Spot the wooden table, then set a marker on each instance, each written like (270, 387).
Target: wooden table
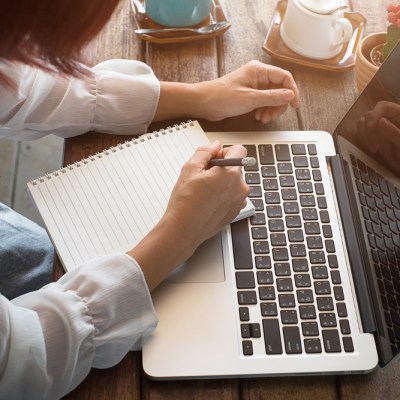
(325, 97)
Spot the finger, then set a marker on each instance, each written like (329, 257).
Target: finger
(234, 151)
(272, 98)
(202, 156)
(279, 77)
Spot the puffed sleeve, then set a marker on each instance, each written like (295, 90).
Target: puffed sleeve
(91, 317)
(117, 96)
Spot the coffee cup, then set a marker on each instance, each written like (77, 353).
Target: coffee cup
(315, 29)
(178, 13)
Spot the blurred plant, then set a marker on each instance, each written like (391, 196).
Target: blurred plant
(393, 30)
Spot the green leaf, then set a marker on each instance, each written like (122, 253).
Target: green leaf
(393, 36)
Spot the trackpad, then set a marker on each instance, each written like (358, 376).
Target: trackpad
(206, 264)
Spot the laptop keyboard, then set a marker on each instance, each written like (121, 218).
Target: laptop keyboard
(288, 283)
(380, 208)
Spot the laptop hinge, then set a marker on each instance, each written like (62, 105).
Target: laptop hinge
(346, 201)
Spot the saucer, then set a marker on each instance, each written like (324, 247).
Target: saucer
(276, 48)
(143, 21)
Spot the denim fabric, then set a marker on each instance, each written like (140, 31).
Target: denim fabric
(26, 254)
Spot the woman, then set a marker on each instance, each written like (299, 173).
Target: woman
(95, 314)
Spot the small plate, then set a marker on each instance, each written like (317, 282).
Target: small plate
(276, 48)
(143, 21)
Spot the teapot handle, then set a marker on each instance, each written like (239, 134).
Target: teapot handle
(347, 29)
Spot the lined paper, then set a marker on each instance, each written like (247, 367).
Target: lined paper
(108, 202)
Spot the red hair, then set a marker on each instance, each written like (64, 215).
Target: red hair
(50, 34)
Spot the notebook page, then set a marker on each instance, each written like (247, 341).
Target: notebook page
(108, 202)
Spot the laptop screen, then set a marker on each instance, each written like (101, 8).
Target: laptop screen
(373, 123)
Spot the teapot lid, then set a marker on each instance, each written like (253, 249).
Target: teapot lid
(322, 6)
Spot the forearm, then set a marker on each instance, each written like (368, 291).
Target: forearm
(162, 250)
(180, 100)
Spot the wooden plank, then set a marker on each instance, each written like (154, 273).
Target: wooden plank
(218, 389)
(119, 382)
(381, 384)
(8, 161)
(298, 388)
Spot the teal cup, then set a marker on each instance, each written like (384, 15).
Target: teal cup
(178, 12)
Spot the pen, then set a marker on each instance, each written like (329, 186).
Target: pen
(225, 162)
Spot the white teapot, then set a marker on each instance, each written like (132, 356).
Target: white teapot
(315, 28)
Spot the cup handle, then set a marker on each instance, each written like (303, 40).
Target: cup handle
(347, 29)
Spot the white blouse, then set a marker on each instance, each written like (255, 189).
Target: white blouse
(96, 313)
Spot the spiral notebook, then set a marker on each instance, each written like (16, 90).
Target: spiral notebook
(108, 202)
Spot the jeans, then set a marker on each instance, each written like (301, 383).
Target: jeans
(26, 254)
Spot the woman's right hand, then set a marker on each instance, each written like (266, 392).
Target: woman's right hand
(202, 202)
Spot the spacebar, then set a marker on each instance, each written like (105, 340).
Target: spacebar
(241, 245)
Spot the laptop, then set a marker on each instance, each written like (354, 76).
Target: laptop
(311, 283)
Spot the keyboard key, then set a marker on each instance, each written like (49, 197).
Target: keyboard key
(303, 174)
(322, 287)
(312, 228)
(277, 239)
(265, 277)
(312, 149)
(245, 280)
(307, 312)
(268, 171)
(252, 178)
(291, 207)
(284, 284)
(327, 320)
(255, 191)
(335, 276)
(282, 269)
(305, 296)
(289, 194)
(266, 293)
(245, 331)
(266, 154)
(307, 200)
(293, 221)
(272, 336)
(348, 344)
(317, 257)
(314, 242)
(341, 310)
(309, 214)
(280, 254)
(270, 184)
(314, 162)
(255, 330)
(325, 303)
(305, 187)
(286, 300)
(298, 149)
(251, 152)
(247, 347)
(258, 219)
(286, 181)
(257, 203)
(263, 262)
(312, 345)
(259, 232)
(274, 212)
(247, 297)
(276, 225)
(261, 247)
(317, 176)
(289, 317)
(292, 339)
(338, 293)
(269, 309)
(282, 152)
(285, 168)
(295, 235)
(300, 265)
(302, 280)
(298, 250)
(272, 197)
(331, 340)
(300, 161)
(319, 272)
(309, 328)
(344, 327)
(327, 231)
(244, 314)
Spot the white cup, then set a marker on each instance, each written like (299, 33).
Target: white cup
(315, 28)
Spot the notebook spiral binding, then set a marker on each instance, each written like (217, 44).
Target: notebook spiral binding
(121, 146)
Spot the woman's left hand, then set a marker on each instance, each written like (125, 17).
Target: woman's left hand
(265, 89)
